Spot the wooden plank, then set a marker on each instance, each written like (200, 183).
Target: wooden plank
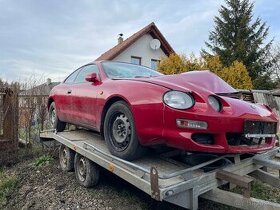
(266, 177)
(242, 181)
(236, 160)
(239, 201)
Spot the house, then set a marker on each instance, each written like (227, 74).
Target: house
(33, 104)
(146, 47)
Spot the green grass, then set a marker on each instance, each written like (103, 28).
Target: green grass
(7, 185)
(42, 160)
(262, 191)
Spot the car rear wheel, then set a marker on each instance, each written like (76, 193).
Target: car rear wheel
(53, 118)
(120, 133)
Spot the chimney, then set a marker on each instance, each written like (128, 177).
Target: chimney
(49, 81)
(120, 39)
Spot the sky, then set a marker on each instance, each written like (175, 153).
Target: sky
(50, 39)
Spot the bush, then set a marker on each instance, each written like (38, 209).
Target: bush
(236, 74)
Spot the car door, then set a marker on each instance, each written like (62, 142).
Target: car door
(84, 95)
(63, 100)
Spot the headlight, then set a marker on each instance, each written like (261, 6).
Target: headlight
(178, 100)
(215, 103)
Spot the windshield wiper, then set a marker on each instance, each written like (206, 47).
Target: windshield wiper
(142, 76)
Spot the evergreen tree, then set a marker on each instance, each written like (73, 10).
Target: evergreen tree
(237, 37)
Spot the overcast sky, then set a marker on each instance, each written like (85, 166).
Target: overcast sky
(52, 38)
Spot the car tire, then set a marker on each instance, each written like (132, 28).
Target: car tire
(87, 173)
(54, 121)
(66, 158)
(120, 132)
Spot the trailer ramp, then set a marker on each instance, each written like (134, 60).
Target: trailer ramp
(167, 180)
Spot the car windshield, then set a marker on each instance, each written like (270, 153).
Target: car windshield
(115, 70)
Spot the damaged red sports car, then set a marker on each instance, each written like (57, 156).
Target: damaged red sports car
(133, 107)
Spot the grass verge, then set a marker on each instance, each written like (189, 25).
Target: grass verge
(7, 186)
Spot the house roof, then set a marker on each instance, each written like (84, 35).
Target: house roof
(151, 29)
(40, 90)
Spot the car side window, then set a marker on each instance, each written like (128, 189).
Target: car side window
(92, 68)
(71, 78)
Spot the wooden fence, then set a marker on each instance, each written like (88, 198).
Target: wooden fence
(8, 125)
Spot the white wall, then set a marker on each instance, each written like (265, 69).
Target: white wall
(141, 48)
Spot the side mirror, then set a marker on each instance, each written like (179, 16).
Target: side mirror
(91, 77)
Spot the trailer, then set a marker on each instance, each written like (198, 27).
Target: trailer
(166, 178)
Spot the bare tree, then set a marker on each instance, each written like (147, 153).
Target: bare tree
(274, 56)
(31, 106)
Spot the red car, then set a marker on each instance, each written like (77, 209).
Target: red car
(133, 106)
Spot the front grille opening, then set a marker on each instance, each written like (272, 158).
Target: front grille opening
(236, 139)
(203, 138)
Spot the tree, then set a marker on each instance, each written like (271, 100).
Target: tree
(175, 61)
(274, 55)
(175, 64)
(236, 74)
(237, 37)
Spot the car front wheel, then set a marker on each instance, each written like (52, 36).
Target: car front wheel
(120, 133)
(53, 118)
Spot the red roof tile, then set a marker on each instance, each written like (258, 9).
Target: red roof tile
(151, 29)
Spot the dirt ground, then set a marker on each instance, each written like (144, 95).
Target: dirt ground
(47, 187)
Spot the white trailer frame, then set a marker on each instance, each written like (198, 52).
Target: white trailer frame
(169, 181)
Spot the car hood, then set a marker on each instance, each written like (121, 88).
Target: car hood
(191, 81)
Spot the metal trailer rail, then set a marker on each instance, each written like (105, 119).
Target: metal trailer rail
(172, 181)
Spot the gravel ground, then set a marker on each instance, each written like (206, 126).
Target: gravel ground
(47, 187)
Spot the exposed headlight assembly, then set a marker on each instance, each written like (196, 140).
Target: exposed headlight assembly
(178, 99)
(215, 103)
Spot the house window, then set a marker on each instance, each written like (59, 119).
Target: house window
(135, 60)
(154, 64)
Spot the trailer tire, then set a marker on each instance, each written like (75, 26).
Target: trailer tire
(66, 158)
(54, 120)
(87, 173)
(120, 132)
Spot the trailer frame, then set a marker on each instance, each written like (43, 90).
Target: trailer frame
(165, 180)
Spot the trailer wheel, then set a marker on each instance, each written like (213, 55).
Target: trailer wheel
(120, 132)
(87, 172)
(53, 118)
(66, 158)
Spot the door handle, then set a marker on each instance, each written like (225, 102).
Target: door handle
(69, 91)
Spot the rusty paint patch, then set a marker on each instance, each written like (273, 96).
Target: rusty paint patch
(111, 167)
(75, 148)
(154, 184)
